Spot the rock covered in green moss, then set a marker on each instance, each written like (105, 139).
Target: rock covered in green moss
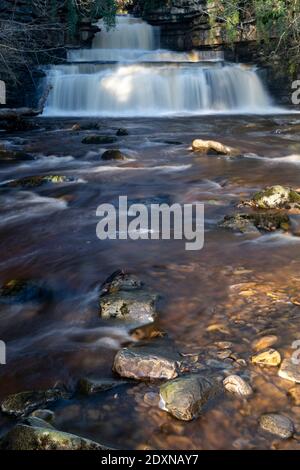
(38, 180)
(185, 397)
(257, 221)
(275, 197)
(22, 403)
(23, 290)
(45, 437)
(99, 139)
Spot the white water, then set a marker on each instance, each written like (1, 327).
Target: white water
(143, 80)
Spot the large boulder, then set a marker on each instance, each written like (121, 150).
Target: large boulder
(185, 397)
(22, 403)
(147, 363)
(45, 437)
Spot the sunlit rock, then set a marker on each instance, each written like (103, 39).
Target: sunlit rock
(185, 397)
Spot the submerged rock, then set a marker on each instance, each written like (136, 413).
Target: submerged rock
(35, 181)
(147, 363)
(235, 384)
(137, 307)
(269, 357)
(185, 397)
(45, 437)
(113, 154)
(264, 342)
(122, 132)
(290, 371)
(211, 147)
(7, 156)
(120, 281)
(278, 425)
(275, 197)
(44, 414)
(90, 386)
(86, 126)
(22, 403)
(99, 139)
(22, 290)
(122, 297)
(255, 222)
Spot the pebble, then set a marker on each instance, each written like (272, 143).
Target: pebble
(278, 425)
(235, 384)
(269, 357)
(289, 371)
(264, 342)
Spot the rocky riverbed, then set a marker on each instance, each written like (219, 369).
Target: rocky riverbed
(142, 344)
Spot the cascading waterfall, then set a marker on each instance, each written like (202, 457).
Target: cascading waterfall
(126, 74)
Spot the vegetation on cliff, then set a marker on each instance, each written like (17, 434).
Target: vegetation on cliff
(274, 23)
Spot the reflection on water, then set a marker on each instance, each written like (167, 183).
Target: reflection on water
(234, 290)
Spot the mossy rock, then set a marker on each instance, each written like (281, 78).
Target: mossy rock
(22, 403)
(35, 181)
(185, 397)
(275, 197)
(255, 222)
(26, 437)
(99, 139)
(23, 290)
(113, 154)
(7, 156)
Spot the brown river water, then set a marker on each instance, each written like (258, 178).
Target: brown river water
(237, 288)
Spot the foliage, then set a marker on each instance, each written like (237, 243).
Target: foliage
(277, 22)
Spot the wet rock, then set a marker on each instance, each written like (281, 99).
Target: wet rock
(99, 139)
(35, 181)
(36, 421)
(45, 415)
(211, 147)
(122, 132)
(137, 307)
(22, 290)
(294, 393)
(20, 125)
(235, 384)
(185, 397)
(7, 156)
(269, 357)
(290, 371)
(264, 342)
(25, 437)
(255, 222)
(147, 363)
(275, 197)
(85, 126)
(120, 281)
(113, 154)
(90, 386)
(22, 403)
(278, 425)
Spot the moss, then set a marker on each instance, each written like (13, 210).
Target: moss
(294, 197)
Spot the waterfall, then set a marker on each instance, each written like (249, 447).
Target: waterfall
(125, 73)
